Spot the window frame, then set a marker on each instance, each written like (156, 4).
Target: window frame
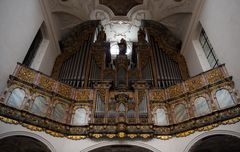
(208, 49)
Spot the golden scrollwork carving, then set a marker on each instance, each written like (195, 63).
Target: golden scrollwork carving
(26, 74)
(195, 83)
(111, 135)
(8, 120)
(46, 83)
(76, 137)
(176, 90)
(54, 134)
(184, 134)
(121, 134)
(132, 136)
(145, 136)
(82, 95)
(65, 90)
(164, 137)
(31, 127)
(97, 135)
(157, 95)
(214, 75)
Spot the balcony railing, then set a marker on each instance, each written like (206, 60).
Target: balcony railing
(41, 103)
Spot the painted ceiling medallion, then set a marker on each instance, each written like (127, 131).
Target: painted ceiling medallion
(120, 8)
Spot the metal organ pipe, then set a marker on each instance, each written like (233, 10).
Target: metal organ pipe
(73, 70)
(168, 72)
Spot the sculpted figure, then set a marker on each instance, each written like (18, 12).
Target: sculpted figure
(141, 35)
(101, 37)
(122, 47)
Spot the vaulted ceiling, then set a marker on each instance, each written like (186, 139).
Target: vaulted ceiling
(121, 19)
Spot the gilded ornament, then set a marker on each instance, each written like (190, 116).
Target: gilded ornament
(54, 134)
(8, 120)
(175, 90)
(121, 134)
(26, 74)
(162, 137)
(64, 90)
(31, 127)
(46, 83)
(76, 137)
(132, 136)
(157, 95)
(145, 136)
(111, 135)
(214, 75)
(82, 95)
(195, 83)
(97, 136)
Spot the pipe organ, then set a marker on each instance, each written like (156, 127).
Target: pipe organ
(158, 62)
(121, 83)
(143, 95)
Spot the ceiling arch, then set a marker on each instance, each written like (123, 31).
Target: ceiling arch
(167, 12)
(119, 8)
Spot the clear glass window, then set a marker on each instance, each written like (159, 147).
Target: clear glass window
(208, 49)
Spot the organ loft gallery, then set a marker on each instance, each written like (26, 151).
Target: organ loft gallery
(119, 76)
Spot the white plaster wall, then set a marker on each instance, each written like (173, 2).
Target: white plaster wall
(191, 48)
(65, 145)
(19, 23)
(221, 21)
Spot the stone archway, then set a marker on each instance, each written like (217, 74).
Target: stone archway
(22, 144)
(36, 142)
(121, 148)
(215, 141)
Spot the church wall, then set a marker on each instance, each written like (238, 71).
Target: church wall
(20, 21)
(58, 144)
(191, 48)
(221, 21)
(222, 26)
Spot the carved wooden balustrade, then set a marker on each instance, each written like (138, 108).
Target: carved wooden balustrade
(41, 103)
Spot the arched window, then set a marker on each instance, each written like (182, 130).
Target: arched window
(16, 98)
(160, 117)
(224, 98)
(59, 112)
(201, 106)
(40, 106)
(80, 117)
(180, 113)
